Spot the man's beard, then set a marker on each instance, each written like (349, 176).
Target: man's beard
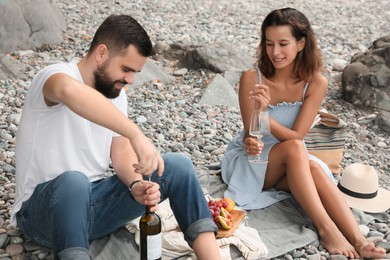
(105, 84)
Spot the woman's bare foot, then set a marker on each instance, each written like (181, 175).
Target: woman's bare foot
(336, 244)
(369, 250)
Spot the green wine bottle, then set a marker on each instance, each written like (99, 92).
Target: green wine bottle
(150, 235)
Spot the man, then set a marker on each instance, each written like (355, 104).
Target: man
(75, 123)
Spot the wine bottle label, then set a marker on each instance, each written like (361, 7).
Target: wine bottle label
(154, 246)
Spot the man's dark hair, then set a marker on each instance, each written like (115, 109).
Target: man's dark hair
(117, 32)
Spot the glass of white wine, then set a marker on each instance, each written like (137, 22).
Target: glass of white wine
(259, 127)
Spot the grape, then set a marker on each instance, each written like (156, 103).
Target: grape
(224, 203)
(211, 203)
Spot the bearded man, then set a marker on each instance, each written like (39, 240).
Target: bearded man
(74, 125)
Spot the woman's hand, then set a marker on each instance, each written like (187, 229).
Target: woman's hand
(253, 146)
(261, 95)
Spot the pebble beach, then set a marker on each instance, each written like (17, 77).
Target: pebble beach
(170, 114)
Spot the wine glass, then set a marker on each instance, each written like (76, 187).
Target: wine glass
(259, 127)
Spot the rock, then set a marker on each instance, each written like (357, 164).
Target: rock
(180, 72)
(337, 257)
(314, 257)
(3, 239)
(233, 77)
(29, 24)
(14, 249)
(366, 81)
(219, 57)
(10, 68)
(384, 121)
(219, 92)
(150, 72)
(339, 64)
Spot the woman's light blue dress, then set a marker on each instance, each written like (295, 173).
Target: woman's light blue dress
(245, 180)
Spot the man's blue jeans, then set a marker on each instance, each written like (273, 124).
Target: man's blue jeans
(70, 211)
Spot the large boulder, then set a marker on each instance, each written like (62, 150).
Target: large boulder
(218, 57)
(29, 24)
(366, 80)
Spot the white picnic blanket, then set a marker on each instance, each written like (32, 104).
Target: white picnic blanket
(246, 239)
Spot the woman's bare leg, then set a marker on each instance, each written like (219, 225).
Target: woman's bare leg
(340, 213)
(289, 160)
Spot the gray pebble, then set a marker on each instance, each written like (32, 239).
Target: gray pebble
(169, 112)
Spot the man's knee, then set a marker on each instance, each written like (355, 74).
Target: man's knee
(73, 183)
(178, 161)
(73, 178)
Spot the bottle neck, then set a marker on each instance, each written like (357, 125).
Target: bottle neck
(148, 208)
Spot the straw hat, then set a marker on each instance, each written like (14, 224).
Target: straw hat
(359, 185)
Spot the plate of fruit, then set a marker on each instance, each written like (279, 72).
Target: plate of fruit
(225, 216)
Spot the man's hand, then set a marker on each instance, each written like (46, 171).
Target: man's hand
(147, 193)
(148, 158)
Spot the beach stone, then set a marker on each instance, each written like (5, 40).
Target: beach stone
(314, 257)
(18, 257)
(29, 24)
(14, 249)
(384, 245)
(337, 257)
(298, 254)
(31, 245)
(180, 72)
(375, 233)
(339, 64)
(43, 255)
(13, 232)
(381, 227)
(3, 239)
(375, 239)
(141, 119)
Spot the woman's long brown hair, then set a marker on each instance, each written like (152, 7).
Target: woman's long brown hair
(308, 61)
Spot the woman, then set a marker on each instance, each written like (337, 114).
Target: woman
(288, 82)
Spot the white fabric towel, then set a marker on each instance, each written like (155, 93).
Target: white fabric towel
(246, 239)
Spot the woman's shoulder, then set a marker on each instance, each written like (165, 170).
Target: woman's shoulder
(319, 79)
(317, 85)
(249, 73)
(249, 76)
